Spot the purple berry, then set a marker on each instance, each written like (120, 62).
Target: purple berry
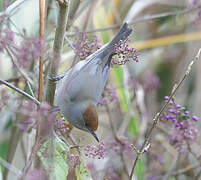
(195, 118)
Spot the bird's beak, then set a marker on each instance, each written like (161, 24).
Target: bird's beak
(93, 133)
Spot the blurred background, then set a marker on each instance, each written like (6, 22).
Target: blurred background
(166, 35)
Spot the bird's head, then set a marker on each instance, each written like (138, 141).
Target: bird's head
(84, 116)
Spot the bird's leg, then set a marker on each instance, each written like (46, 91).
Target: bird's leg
(57, 78)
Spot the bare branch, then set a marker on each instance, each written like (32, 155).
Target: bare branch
(20, 91)
(141, 19)
(157, 116)
(10, 167)
(186, 169)
(21, 71)
(117, 140)
(69, 42)
(42, 36)
(30, 89)
(172, 168)
(12, 8)
(58, 45)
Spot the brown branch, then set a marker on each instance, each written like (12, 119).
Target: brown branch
(157, 116)
(40, 83)
(42, 32)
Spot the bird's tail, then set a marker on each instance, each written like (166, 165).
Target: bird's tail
(123, 34)
(108, 50)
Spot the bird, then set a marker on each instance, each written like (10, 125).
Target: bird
(81, 87)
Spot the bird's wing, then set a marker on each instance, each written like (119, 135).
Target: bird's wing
(84, 83)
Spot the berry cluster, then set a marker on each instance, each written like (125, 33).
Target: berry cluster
(97, 151)
(29, 113)
(85, 47)
(124, 53)
(183, 130)
(6, 39)
(29, 48)
(63, 126)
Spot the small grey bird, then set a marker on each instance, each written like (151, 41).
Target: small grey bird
(81, 87)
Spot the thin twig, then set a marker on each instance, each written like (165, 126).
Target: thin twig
(16, 135)
(126, 120)
(73, 7)
(24, 154)
(12, 8)
(49, 8)
(30, 89)
(15, 80)
(157, 116)
(20, 33)
(172, 168)
(186, 169)
(141, 19)
(69, 42)
(20, 91)
(192, 152)
(118, 141)
(21, 71)
(28, 164)
(10, 167)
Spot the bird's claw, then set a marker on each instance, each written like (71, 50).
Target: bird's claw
(57, 78)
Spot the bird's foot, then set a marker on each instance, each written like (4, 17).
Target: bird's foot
(57, 78)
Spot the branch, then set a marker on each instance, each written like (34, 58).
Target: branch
(12, 8)
(141, 19)
(42, 32)
(117, 140)
(21, 71)
(10, 167)
(72, 10)
(20, 91)
(172, 168)
(186, 169)
(16, 135)
(15, 80)
(157, 116)
(30, 89)
(58, 44)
